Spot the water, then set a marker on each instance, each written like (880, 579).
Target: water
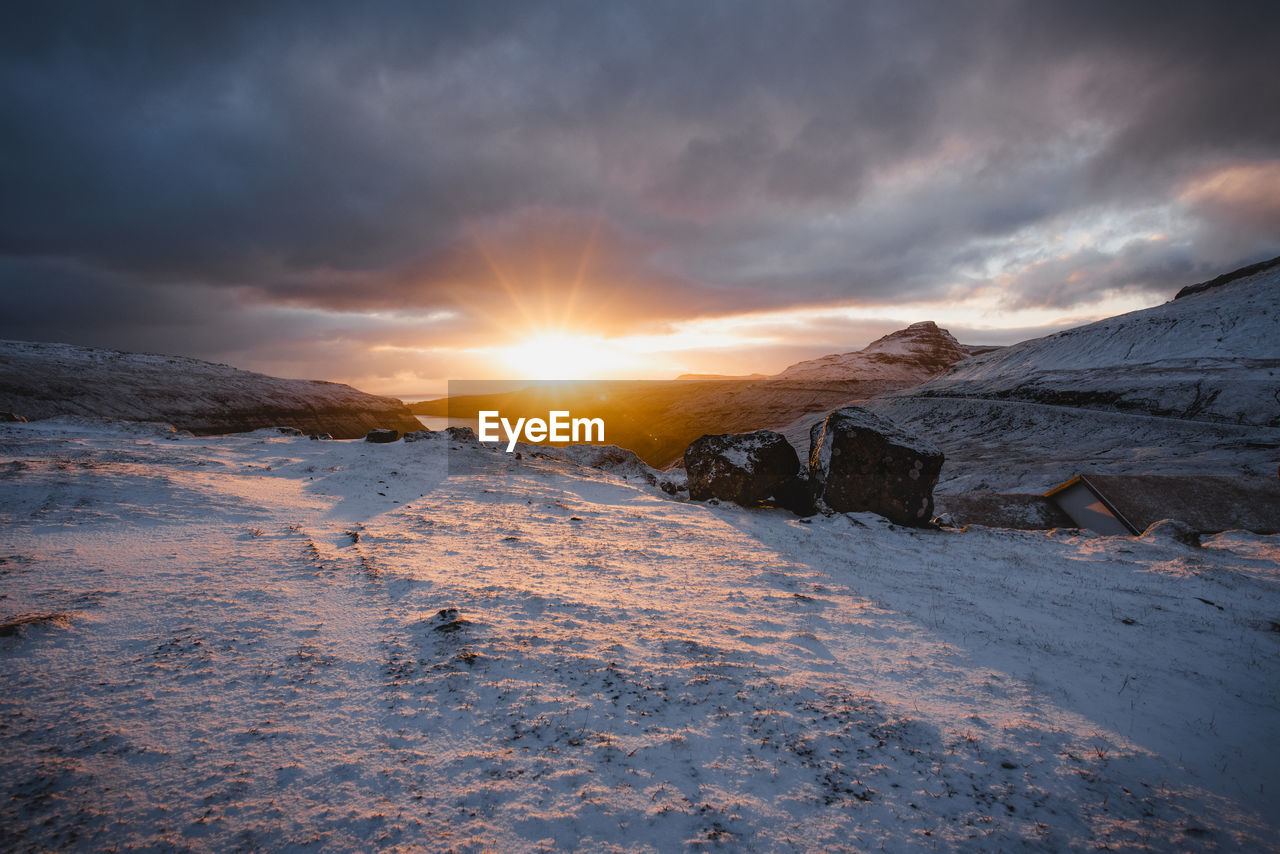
(439, 422)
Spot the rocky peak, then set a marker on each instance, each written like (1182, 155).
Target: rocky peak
(1227, 278)
(923, 339)
(920, 351)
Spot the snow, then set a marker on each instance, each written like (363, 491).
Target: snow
(744, 452)
(856, 417)
(1213, 356)
(1013, 446)
(264, 642)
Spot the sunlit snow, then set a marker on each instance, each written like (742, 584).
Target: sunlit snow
(265, 642)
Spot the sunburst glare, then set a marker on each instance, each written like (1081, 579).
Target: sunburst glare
(563, 356)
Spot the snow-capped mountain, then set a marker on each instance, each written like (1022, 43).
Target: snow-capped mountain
(917, 353)
(42, 380)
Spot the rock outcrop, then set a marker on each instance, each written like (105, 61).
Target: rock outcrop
(48, 380)
(619, 461)
(745, 468)
(461, 434)
(912, 355)
(1228, 278)
(859, 462)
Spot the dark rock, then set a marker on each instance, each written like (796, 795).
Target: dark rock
(12, 417)
(289, 431)
(860, 462)
(448, 620)
(461, 434)
(382, 436)
(417, 435)
(317, 436)
(796, 494)
(745, 468)
(1227, 278)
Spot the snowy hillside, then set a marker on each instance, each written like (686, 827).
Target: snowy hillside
(39, 380)
(1190, 386)
(1011, 446)
(264, 643)
(1211, 356)
(910, 355)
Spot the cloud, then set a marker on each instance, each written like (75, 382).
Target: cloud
(1089, 274)
(1244, 197)
(615, 166)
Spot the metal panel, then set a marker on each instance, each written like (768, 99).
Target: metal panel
(1087, 510)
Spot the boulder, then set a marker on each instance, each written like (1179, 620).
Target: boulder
(461, 434)
(860, 462)
(745, 468)
(796, 494)
(620, 461)
(382, 436)
(417, 435)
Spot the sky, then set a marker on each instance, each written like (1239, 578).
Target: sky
(398, 194)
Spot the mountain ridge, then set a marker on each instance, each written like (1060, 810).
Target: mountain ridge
(45, 379)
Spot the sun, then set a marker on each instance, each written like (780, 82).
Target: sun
(564, 356)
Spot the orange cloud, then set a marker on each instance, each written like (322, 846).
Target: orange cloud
(1246, 195)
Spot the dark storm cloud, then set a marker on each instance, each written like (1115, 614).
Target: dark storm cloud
(191, 161)
(1069, 279)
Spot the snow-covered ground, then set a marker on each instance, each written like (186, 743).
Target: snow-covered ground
(263, 642)
(1014, 446)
